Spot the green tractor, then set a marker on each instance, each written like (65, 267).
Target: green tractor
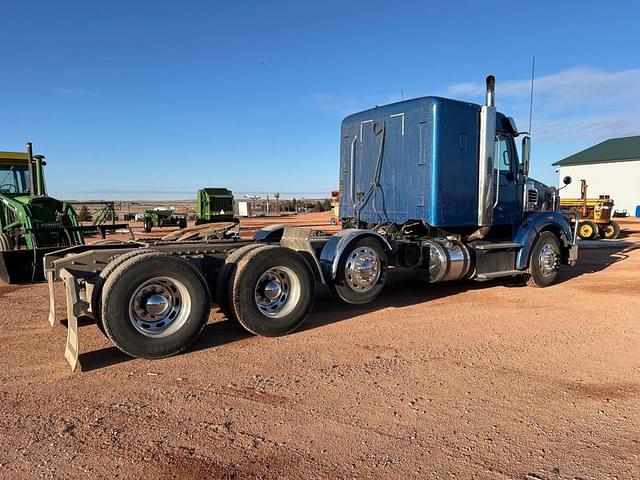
(163, 217)
(214, 205)
(32, 223)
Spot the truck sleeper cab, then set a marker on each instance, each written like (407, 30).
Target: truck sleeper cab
(442, 181)
(430, 184)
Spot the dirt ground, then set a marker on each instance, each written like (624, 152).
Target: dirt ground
(461, 380)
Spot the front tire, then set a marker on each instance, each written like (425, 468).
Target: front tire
(362, 272)
(154, 305)
(544, 262)
(587, 230)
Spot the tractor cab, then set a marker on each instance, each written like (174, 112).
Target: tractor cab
(14, 174)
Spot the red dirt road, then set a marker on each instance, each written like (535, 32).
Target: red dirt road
(462, 380)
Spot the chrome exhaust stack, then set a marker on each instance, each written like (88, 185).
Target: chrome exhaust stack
(485, 162)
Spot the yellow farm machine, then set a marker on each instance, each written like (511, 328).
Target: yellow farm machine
(595, 215)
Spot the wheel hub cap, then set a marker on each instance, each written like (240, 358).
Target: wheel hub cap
(157, 304)
(548, 260)
(272, 290)
(159, 307)
(277, 292)
(362, 269)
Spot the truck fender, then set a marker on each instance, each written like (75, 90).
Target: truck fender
(531, 227)
(270, 233)
(336, 246)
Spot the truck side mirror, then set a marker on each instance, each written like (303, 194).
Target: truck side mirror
(566, 180)
(526, 155)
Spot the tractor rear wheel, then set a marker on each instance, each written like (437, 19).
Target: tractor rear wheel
(587, 230)
(6, 242)
(272, 291)
(611, 231)
(154, 305)
(147, 226)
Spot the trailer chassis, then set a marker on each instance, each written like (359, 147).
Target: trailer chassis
(79, 268)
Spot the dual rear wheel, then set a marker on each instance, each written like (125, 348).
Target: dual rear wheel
(152, 304)
(268, 289)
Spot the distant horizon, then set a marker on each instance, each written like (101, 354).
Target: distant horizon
(239, 196)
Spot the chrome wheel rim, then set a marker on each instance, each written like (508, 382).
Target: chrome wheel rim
(277, 292)
(362, 269)
(548, 260)
(159, 307)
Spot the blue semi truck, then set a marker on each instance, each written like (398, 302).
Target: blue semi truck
(431, 184)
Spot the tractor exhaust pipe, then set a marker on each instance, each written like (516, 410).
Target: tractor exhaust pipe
(32, 179)
(485, 162)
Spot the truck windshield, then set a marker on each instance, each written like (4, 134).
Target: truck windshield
(14, 179)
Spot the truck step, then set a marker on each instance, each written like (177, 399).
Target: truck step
(503, 273)
(497, 246)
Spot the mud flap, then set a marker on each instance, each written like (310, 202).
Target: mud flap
(75, 307)
(52, 299)
(573, 254)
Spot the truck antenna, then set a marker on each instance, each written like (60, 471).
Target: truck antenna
(533, 71)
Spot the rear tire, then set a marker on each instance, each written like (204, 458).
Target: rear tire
(362, 272)
(147, 227)
(611, 231)
(96, 295)
(587, 230)
(544, 262)
(272, 291)
(154, 305)
(223, 284)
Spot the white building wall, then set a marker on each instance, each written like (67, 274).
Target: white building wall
(621, 180)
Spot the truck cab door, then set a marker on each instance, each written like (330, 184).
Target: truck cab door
(505, 188)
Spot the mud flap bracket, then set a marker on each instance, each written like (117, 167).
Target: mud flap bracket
(75, 308)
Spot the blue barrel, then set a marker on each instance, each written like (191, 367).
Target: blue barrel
(637, 210)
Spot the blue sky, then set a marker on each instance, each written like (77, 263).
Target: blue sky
(153, 99)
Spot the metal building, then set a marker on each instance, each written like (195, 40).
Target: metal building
(610, 168)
